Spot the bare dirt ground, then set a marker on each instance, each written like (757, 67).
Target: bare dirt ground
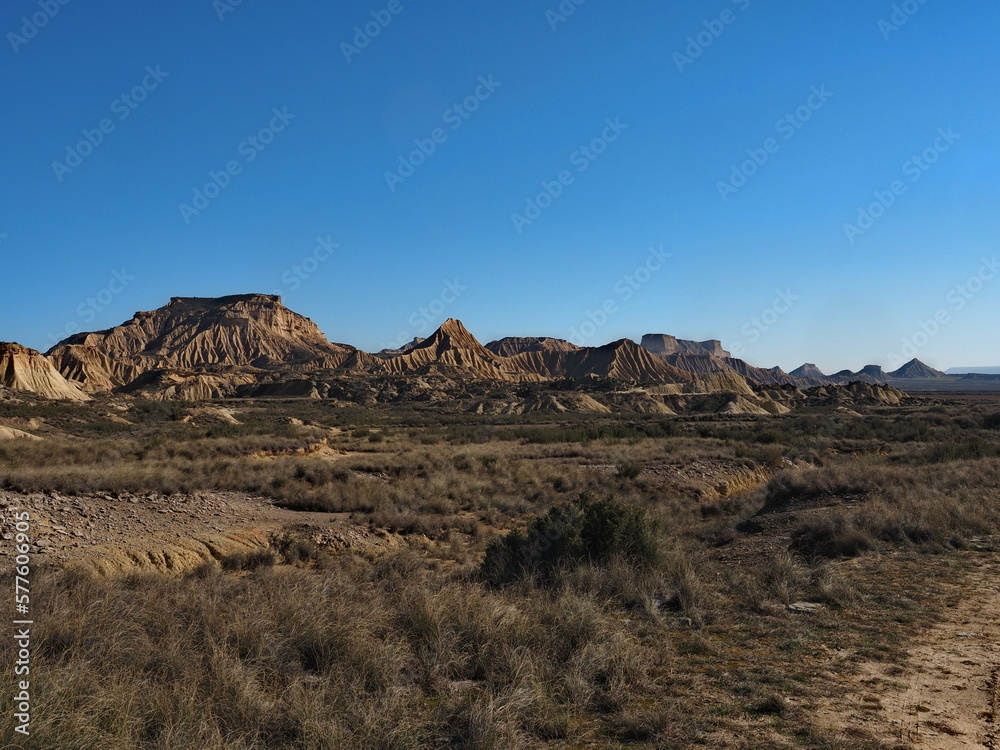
(114, 533)
(947, 693)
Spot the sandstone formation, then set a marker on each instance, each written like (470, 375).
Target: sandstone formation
(622, 360)
(808, 370)
(663, 345)
(251, 346)
(915, 369)
(513, 345)
(452, 348)
(253, 330)
(24, 369)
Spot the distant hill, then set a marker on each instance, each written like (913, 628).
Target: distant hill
(808, 370)
(251, 345)
(915, 369)
(968, 370)
(513, 345)
(663, 345)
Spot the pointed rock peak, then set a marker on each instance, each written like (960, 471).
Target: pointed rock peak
(454, 327)
(451, 334)
(916, 369)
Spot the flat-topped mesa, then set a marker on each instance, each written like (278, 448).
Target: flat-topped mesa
(513, 345)
(198, 332)
(205, 303)
(808, 370)
(24, 369)
(664, 345)
(875, 372)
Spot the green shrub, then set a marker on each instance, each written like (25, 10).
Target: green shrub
(586, 530)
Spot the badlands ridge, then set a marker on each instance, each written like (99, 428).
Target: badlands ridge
(252, 346)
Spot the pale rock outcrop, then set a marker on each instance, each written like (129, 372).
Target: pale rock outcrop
(24, 369)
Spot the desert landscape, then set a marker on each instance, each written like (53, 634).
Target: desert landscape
(245, 536)
(561, 375)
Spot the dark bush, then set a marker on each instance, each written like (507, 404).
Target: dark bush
(834, 535)
(586, 530)
(628, 469)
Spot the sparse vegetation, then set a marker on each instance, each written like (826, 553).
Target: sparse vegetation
(555, 581)
(586, 530)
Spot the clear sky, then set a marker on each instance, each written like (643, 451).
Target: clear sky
(515, 166)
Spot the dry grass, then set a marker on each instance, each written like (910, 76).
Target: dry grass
(674, 647)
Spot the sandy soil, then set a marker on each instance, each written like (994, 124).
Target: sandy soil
(947, 694)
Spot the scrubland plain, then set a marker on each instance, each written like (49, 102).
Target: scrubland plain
(286, 574)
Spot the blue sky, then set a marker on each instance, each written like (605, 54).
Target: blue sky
(540, 159)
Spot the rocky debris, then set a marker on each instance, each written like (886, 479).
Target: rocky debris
(112, 533)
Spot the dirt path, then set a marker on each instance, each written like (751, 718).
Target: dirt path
(947, 694)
